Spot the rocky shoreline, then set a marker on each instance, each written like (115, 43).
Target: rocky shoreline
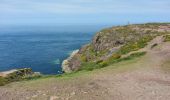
(24, 71)
(65, 63)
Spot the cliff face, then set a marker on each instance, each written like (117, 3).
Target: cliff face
(115, 41)
(70, 63)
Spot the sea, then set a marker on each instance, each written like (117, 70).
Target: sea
(42, 48)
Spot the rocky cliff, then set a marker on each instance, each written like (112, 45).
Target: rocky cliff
(111, 43)
(17, 75)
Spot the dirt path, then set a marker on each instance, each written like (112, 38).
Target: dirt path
(140, 79)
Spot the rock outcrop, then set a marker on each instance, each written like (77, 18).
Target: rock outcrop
(66, 63)
(17, 75)
(18, 72)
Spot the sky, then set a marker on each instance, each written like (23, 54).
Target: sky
(82, 12)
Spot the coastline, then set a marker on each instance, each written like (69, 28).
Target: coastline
(65, 63)
(64, 66)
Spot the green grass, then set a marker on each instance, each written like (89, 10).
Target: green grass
(89, 66)
(3, 81)
(134, 55)
(167, 38)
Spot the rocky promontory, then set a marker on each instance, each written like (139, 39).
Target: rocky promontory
(112, 43)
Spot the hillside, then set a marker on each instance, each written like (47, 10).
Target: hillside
(136, 67)
(111, 44)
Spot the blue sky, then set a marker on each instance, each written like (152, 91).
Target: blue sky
(75, 12)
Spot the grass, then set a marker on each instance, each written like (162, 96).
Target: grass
(89, 66)
(3, 81)
(167, 38)
(135, 45)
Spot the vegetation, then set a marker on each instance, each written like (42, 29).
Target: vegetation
(89, 66)
(135, 45)
(91, 54)
(132, 37)
(3, 81)
(20, 74)
(136, 42)
(167, 38)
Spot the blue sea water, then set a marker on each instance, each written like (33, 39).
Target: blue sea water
(41, 48)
